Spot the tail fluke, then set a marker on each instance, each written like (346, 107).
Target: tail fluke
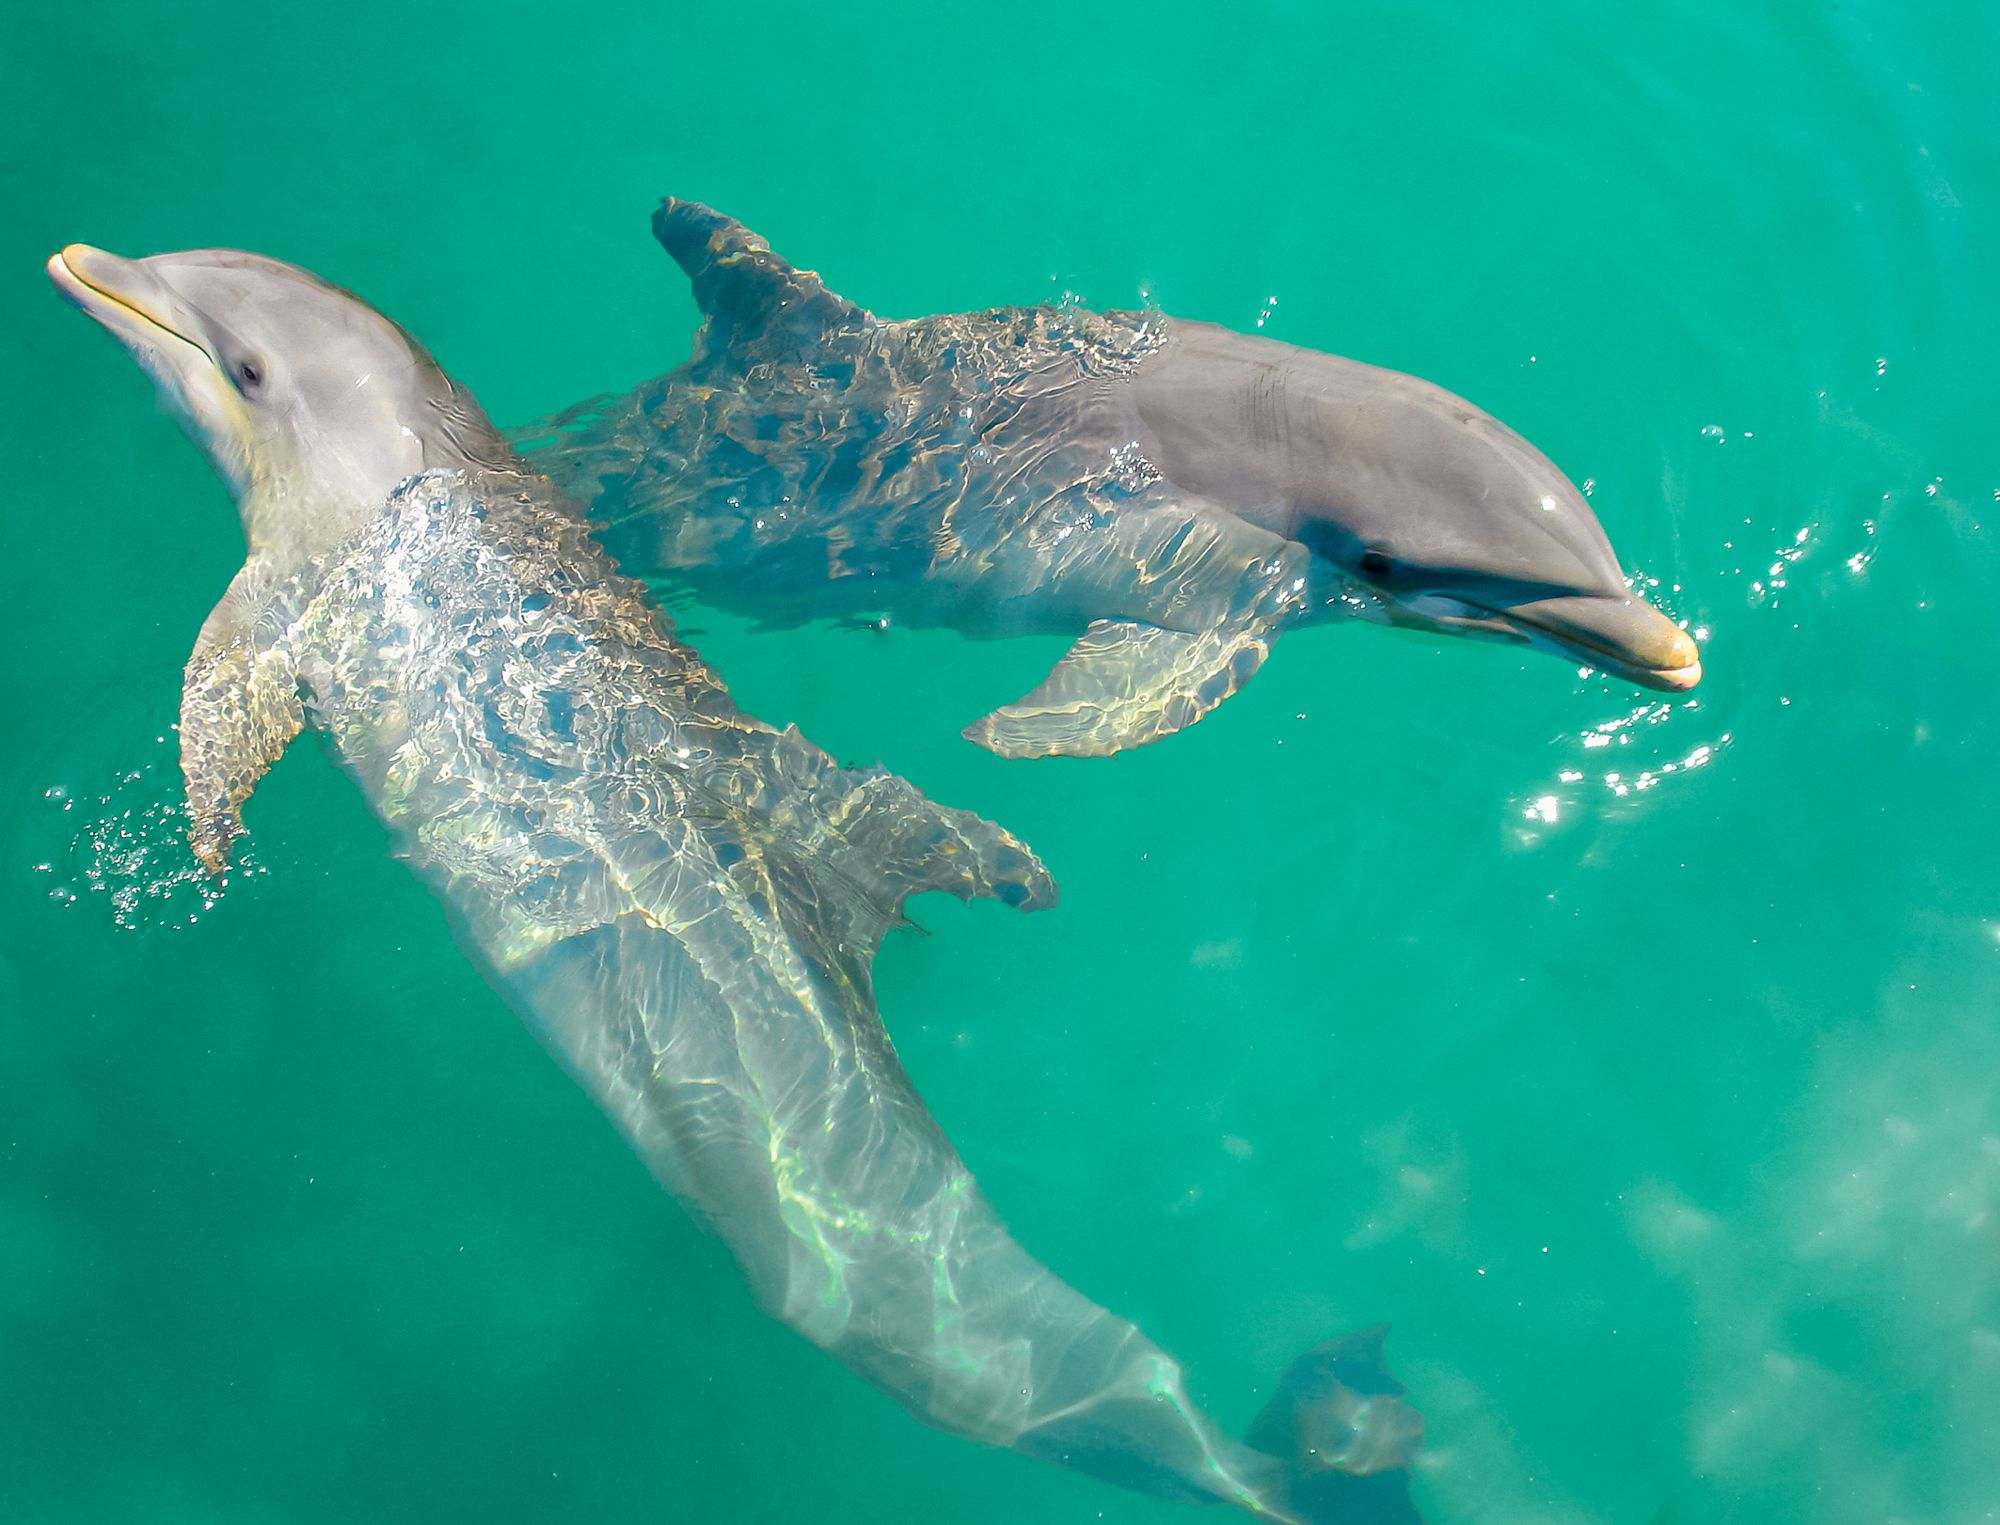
(1340, 1424)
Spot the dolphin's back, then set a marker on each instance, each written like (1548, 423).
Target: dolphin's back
(889, 463)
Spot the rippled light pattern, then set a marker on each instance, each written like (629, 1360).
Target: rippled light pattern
(684, 903)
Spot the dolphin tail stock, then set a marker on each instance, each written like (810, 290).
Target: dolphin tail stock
(1215, 591)
(792, 1131)
(1333, 1447)
(735, 1042)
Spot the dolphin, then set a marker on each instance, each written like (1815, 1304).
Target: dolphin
(682, 902)
(1170, 493)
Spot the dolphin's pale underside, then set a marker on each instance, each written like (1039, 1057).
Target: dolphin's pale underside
(681, 901)
(684, 903)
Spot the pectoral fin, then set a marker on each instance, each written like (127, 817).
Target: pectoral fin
(239, 710)
(1125, 684)
(880, 830)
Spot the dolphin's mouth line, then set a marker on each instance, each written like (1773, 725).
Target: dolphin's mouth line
(81, 289)
(1597, 653)
(1484, 621)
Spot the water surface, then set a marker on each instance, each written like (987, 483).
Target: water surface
(1636, 1059)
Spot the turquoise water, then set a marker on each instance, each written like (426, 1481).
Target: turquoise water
(1639, 1061)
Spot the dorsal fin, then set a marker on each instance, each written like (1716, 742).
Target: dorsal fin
(757, 305)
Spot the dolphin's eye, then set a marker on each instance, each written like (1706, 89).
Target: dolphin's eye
(249, 375)
(1377, 564)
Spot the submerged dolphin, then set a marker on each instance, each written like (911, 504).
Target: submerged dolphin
(682, 902)
(1177, 492)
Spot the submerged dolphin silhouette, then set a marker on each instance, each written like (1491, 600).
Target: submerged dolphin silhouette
(682, 902)
(1177, 492)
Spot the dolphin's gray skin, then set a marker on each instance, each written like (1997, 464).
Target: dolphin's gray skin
(1176, 492)
(681, 901)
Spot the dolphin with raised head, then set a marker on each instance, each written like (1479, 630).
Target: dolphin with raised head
(681, 901)
(1172, 493)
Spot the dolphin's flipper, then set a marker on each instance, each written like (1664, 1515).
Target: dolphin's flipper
(882, 836)
(239, 711)
(758, 306)
(1199, 596)
(1340, 1424)
(1125, 684)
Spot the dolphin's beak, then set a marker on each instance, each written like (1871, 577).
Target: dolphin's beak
(121, 294)
(1624, 635)
(143, 313)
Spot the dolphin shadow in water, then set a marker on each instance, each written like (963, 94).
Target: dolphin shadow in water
(682, 902)
(1171, 493)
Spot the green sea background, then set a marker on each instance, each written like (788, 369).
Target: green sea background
(1636, 1058)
